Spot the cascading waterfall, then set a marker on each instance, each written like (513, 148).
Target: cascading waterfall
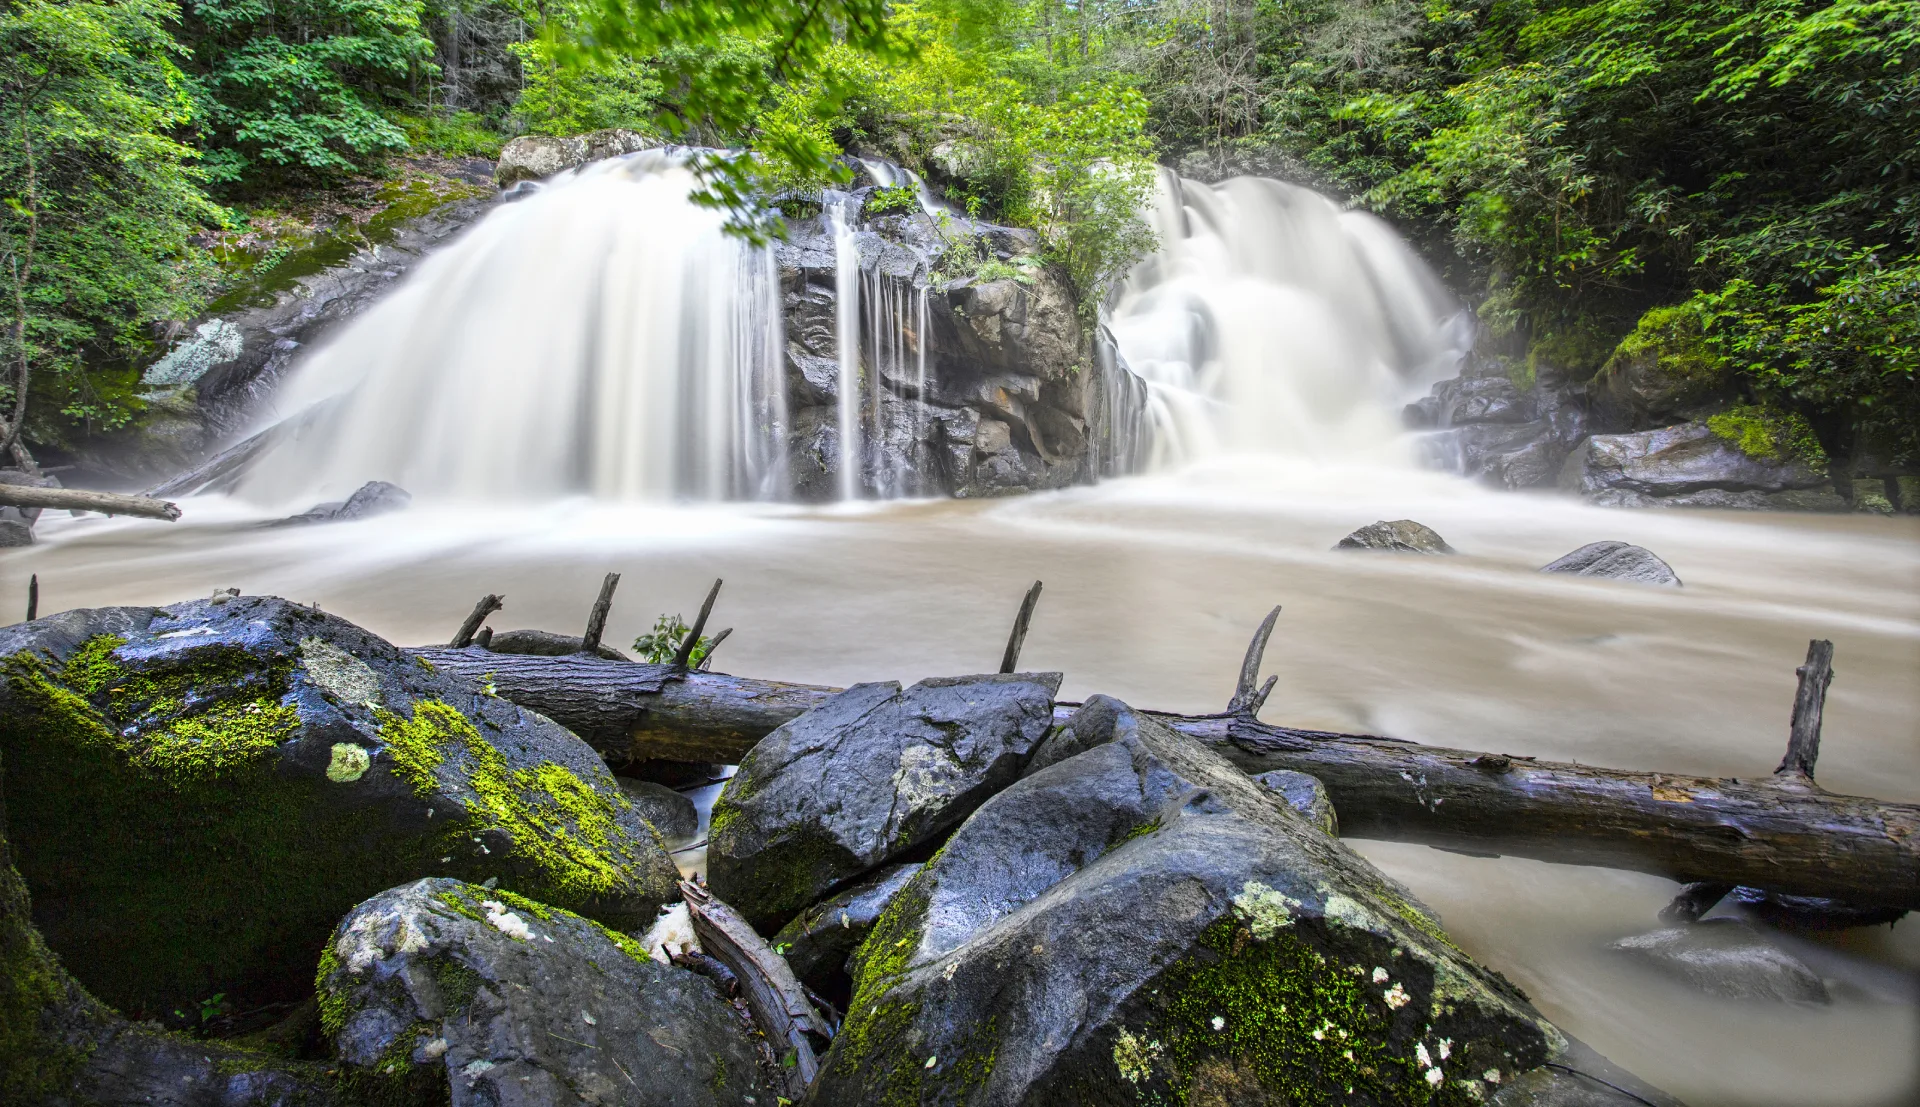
(893, 346)
(846, 329)
(602, 335)
(1270, 320)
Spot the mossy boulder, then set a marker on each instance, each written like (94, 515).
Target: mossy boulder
(61, 1046)
(199, 792)
(1692, 465)
(441, 992)
(870, 775)
(1661, 371)
(819, 942)
(1142, 923)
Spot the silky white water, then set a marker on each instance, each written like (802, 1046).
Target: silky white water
(1270, 320)
(601, 335)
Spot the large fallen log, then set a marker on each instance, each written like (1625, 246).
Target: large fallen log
(1778, 832)
(74, 499)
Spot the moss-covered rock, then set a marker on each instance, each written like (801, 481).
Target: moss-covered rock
(1141, 923)
(199, 792)
(866, 777)
(439, 991)
(1662, 370)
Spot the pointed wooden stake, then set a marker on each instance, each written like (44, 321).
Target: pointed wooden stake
(597, 618)
(1010, 660)
(706, 662)
(692, 639)
(33, 597)
(1246, 699)
(1803, 742)
(488, 604)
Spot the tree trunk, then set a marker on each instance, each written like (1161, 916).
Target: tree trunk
(1780, 833)
(107, 503)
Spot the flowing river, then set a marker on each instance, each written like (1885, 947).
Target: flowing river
(545, 438)
(1153, 585)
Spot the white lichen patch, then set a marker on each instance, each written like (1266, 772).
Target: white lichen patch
(506, 922)
(1435, 1076)
(927, 775)
(1397, 998)
(432, 1051)
(339, 673)
(1379, 975)
(377, 935)
(474, 1070)
(349, 763)
(672, 930)
(1351, 913)
(1134, 1056)
(1264, 910)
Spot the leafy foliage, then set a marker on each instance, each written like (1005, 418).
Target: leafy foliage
(663, 645)
(100, 197)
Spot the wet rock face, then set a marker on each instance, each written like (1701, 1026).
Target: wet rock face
(1615, 561)
(376, 497)
(968, 388)
(198, 792)
(537, 157)
(664, 809)
(1304, 794)
(1690, 466)
(1485, 427)
(820, 941)
(439, 991)
(867, 776)
(1142, 923)
(1726, 957)
(1399, 536)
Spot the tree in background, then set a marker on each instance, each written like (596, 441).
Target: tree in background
(99, 202)
(290, 91)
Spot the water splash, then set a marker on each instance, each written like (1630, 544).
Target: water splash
(600, 336)
(1272, 321)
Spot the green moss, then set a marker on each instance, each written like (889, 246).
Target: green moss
(1769, 434)
(1672, 336)
(561, 828)
(35, 1062)
(627, 944)
(458, 984)
(172, 858)
(333, 1004)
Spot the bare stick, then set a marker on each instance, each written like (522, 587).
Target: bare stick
(484, 639)
(597, 618)
(779, 1007)
(106, 503)
(33, 597)
(1694, 900)
(1010, 661)
(1803, 743)
(693, 636)
(707, 661)
(488, 604)
(1246, 700)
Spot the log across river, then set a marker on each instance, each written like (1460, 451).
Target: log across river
(1781, 832)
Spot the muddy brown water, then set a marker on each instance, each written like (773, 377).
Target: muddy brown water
(1152, 588)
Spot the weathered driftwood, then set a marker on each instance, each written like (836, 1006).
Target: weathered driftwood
(469, 626)
(1782, 833)
(687, 644)
(779, 1006)
(1809, 703)
(1010, 660)
(33, 597)
(597, 618)
(74, 499)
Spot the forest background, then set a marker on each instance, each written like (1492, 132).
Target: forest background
(1725, 186)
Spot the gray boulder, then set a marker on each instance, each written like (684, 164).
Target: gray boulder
(1142, 923)
(1690, 466)
(1726, 957)
(1485, 427)
(536, 157)
(820, 941)
(1304, 794)
(376, 497)
(1615, 561)
(442, 992)
(664, 809)
(545, 643)
(868, 775)
(1400, 536)
(199, 792)
(15, 528)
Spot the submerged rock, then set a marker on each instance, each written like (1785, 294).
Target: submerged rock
(1808, 912)
(664, 809)
(865, 777)
(376, 497)
(1400, 535)
(199, 792)
(1727, 957)
(1615, 561)
(1142, 923)
(819, 941)
(439, 992)
(1690, 466)
(1304, 794)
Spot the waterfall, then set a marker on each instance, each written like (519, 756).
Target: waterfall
(846, 331)
(1270, 320)
(601, 335)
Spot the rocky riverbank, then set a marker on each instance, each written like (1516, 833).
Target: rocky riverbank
(338, 875)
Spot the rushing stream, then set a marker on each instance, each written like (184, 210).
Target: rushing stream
(544, 453)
